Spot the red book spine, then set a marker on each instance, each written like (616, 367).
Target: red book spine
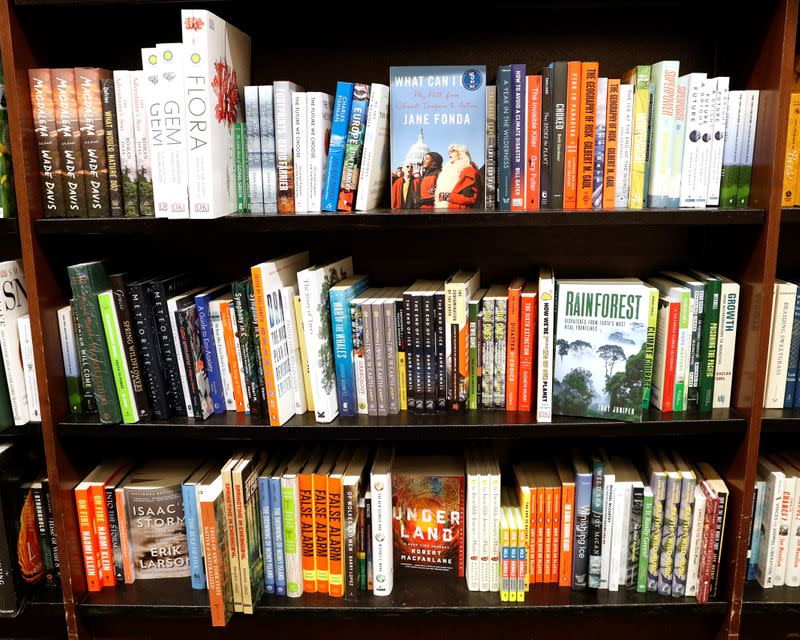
(573, 135)
(672, 356)
(707, 551)
(567, 521)
(527, 345)
(533, 142)
(98, 506)
(512, 348)
(307, 543)
(213, 573)
(88, 541)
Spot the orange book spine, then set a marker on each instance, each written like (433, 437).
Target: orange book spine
(98, 504)
(512, 349)
(532, 538)
(266, 347)
(233, 356)
(572, 135)
(540, 513)
(213, 572)
(335, 549)
(527, 346)
(533, 142)
(548, 533)
(124, 541)
(589, 75)
(86, 527)
(556, 554)
(567, 524)
(612, 128)
(321, 530)
(307, 546)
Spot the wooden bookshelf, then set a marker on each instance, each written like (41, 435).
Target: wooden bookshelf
(41, 616)
(30, 431)
(395, 248)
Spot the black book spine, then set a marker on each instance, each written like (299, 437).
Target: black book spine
(558, 140)
(429, 350)
(131, 350)
(184, 329)
(247, 345)
(259, 370)
(113, 533)
(149, 350)
(51, 526)
(723, 499)
(88, 403)
(44, 538)
(408, 313)
(112, 146)
(419, 365)
(634, 537)
(547, 127)
(9, 600)
(400, 331)
(595, 542)
(441, 352)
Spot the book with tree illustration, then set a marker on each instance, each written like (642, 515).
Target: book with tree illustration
(603, 331)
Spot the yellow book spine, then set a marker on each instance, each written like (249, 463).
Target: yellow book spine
(401, 375)
(301, 335)
(641, 112)
(790, 196)
(505, 555)
(513, 543)
(522, 540)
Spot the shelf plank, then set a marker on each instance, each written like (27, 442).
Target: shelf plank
(790, 215)
(484, 424)
(386, 220)
(32, 430)
(774, 601)
(411, 596)
(780, 421)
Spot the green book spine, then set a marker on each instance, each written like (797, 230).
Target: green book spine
(237, 132)
(290, 547)
(684, 324)
(87, 280)
(88, 404)
(116, 354)
(745, 162)
(249, 347)
(708, 344)
(649, 354)
(8, 205)
(472, 400)
(6, 413)
(245, 167)
(639, 77)
(644, 549)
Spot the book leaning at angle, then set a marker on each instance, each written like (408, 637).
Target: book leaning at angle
(213, 513)
(15, 306)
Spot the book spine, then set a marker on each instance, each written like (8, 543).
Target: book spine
(189, 494)
(572, 139)
(683, 357)
(612, 141)
(589, 95)
(380, 356)
(624, 143)
(487, 355)
(374, 165)
(717, 131)
(336, 576)
(342, 105)
(266, 162)
(29, 368)
(351, 542)
(239, 167)
(513, 351)
(114, 532)
(664, 83)
(538, 564)
(300, 149)
(650, 347)
(354, 147)
(505, 562)
(758, 520)
(726, 343)
(382, 552)
(163, 327)
(599, 143)
(580, 552)
(343, 348)
(402, 340)
(791, 164)
(500, 344)
(141, 132)
(267, 545)
(69, 141)
(785, 515)
(448, 387)
(533, 152)
(546, 315)
(107, 93)
(306, 520)
(474, 378)
(545, 163)
(659, 486)
(734, 129)
(249, 346)
(90, 119)
(213, 564)
(708, 345)
(87, 527)
(765, 564)
(148, 349)
(358, 356)
(747, 147)
(517, 137)
(559, 134)
(640, 118)
(490, 194)
(390, 332)
(504, 111)
(184, 328)
(230, 529)
(792, 574)
(284, 161)
(644, 547)
(43, 536)
(227, 317)
(567, 532)
(718, 529)
(429, 352)
(794, 356)
(127, 143)
(242, 541)
(258, 370)
(472, 515)
(276, 518)
(365, 312)
(210, 351)
(695, 543)
(419, 352)
(215, 310)
(683, 537)
(513, 551)
(631, 562)
(51, 173)
(253, 121)
(691, 193)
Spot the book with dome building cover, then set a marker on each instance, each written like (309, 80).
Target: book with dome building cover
(438, 137)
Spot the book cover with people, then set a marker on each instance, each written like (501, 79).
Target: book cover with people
(438, 137)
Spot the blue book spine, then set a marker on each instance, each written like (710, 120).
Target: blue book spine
(504, 100)
(196, 565)
(210, 351)
(277, 535)
(518, 164)
(343, 346)
(266, 533)
(794, 357)
(341, 119)
(580, 549)
(755, 536)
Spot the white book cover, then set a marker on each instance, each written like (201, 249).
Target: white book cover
(783, 303)
(726, 343)
(791, 576)
(382, 535)
(375, 157)
(141, 137)
(663, 83)
(69, 350)
(623, 532)
(693, 149)
(734, 132)
(293, 343)
(473, 515)
(678, 134)
(768, 542)
(300, 150)
(172, 306)
(718, 127)
(609, 507)
(486, 522)
(217, 66)
(239, 358)
(695, 542)
(125, 135)
(320, 117)
(494, 510)
(26, 348)
(215, 315)
(284, 156)
(707, 107)
(544, 345)
(610, 566)
(314, 284)
(253, 121)
(750, 120)
(624, 141)
(266, 117)
(269, 279)
(784, 522)
(155, 135)
(15, 305)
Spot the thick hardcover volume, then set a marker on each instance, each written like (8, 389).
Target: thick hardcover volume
(86, 525)
(213, 515)
(726, 342)
(527, 345)
(546, 138)
(130, 350)
(211, 359)
(87, 280)
(599, 143)
(343, 343)
(518, 137)
(624, 140)
(300, 149)
(558, 142)
(375, 158)
(533, 146)
(745, 161)
(717, 132)
(639, 77)
(255, 179)
(513, 350)
(663, 83)
(141, 132)
(694, 184)
(108, 96)
(490, 198)
(572, 135)
(339, 126)
(69, 141)
(791, 164)
(216, 61)
(458, 291)
(544, 360)
(612, 141)
(126, 140)
(381, 538)
(589, 82)
(284, 158)
(51, 171)
(354, 147)
(249, 345)
(90, 121)
(69, 354)
(266, 163)
(504, 110)
(319, 114)
(315, 284)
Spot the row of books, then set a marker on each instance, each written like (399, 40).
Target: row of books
(784, 347)
(8, 201)
(157, 141)
(28, 551)
(296, 337)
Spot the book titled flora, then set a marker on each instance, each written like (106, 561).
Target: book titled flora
(428, 514)
(605, 333)
(438, 137)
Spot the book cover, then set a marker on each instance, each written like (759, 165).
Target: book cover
(300, 149)
(90, 122)
(110, 125)
(284, 158)
(266, 162)
(381, 534)
(458, 291)
(612, 142)
(422, 121)
(340, 120)
(559, 133)
(375, 158)
(639, 77)
(745, 161)
(69, 354)
(583, 500)
(319, 112)
(693, 186)
(29, 367)
(69, 141)
(490, 200)
(126, 139)
(141, 132)
(546, 169)
(544, 350)
(45, 130)
(533, 147)
(253, 122)
(572, 138)
(663, 84)
(119, 363)
(624, 142)
(503, 93)
(717, 131)
(213, 513)
(354, 147)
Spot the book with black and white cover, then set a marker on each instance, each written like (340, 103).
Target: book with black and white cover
(266, 121)
(694, 186)
(375, 157)
(783, 302)
(254, 174)
(319, 114)
(720, 87)
(382, 530)
(15, 305)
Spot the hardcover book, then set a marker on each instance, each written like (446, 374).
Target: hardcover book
(108, 95)
(69, 141)
(424, 124)
(126, 140)
(341, 119)
(90, 121)
(375, 159)
(284, 157)
(44, 127)
(266, 122)
(144, 175)
(354, 147)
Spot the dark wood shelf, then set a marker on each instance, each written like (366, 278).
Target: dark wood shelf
(386, 220)
(484, 424)
(780, 420)
(790, 215)
(24, 432)
(40, 602)
(411, 596)
(774, 601)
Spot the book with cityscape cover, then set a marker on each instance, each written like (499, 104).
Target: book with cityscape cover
(453, 139)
